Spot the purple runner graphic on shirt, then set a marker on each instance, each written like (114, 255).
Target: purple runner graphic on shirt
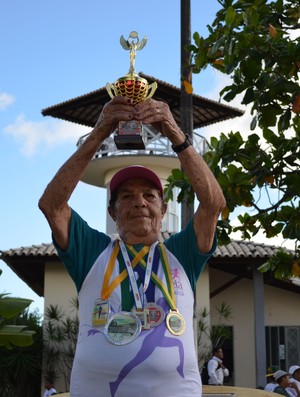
(152, 340)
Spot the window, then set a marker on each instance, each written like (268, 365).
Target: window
(283, 346)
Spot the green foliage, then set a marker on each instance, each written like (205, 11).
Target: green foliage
(60, 336)
(20, 349)
(20, 367)
(10, 334)
(250, 42)
(209, 337)
(283, 265)
(180, 180)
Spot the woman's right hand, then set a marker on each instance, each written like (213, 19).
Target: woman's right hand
(118, 109)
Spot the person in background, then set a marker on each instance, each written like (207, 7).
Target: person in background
(216, 369)
(271, 382)
(283, 380)
(49, 388)
(294, 372)
(136, 292)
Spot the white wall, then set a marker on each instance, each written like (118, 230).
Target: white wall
(59, 289)
(283, 309)
(202, 301)
(280, 309)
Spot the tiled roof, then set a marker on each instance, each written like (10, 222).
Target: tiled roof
(245, 249)
(33, 250)
(237, 257)
(86, 108)
(237, 249)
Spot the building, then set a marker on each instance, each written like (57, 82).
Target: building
(231, 275)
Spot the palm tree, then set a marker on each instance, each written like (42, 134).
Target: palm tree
(60, 337)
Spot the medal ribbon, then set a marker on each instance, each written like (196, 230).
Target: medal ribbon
(131, 275)
(107, 288)
(168, 292)
(149, 266)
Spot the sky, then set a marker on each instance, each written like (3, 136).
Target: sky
(53, 51)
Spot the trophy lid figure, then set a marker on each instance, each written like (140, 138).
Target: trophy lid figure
(133, 46)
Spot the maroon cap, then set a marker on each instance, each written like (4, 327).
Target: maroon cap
(134, 171)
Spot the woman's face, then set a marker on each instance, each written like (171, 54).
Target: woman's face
(138, 211)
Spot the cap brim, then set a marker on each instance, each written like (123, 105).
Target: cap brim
(134, 171)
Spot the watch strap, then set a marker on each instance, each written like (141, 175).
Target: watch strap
(179, 148)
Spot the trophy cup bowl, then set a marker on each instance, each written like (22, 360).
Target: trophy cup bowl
(134, 87)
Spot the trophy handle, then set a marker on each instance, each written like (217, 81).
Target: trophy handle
(110, 90)
(151, 90)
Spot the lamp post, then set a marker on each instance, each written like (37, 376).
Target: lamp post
(186, 99)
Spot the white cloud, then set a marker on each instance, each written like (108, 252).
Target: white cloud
(6, 100)
(32, 135)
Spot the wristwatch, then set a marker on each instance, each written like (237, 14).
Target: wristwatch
(179, 148)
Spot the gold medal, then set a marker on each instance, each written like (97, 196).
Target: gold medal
(175, 322)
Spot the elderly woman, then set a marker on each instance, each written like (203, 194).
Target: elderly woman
(135, 294)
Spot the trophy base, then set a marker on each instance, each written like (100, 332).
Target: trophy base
(129, 136)
(129, 142)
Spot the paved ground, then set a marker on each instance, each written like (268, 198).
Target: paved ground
(228, 391)
(212, 391)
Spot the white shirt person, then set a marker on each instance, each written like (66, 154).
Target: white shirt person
(216, 369)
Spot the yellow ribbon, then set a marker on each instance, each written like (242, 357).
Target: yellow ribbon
(107, 288)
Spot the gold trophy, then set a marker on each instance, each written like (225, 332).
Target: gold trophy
(129, 134)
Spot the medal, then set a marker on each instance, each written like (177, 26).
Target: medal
(100, 312)
(156, 314)
(122, 328)
(144, 317)
(175, 323)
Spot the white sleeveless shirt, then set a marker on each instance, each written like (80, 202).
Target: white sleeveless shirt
(156, 363)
